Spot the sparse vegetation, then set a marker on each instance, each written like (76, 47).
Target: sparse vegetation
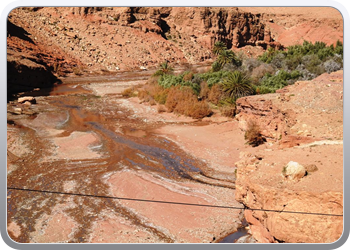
(233, 77)
(129, 92)
(253, 134)
(164, 68)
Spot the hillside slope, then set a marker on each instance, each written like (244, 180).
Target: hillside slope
(129, 38)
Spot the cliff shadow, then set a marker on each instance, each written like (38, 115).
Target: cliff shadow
(14, 30)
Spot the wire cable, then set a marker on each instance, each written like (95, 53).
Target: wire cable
(169, 202)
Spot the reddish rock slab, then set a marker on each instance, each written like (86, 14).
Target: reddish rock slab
(191, 224)
(76, 146)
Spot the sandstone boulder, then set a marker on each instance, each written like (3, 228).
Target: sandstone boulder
(293, 171)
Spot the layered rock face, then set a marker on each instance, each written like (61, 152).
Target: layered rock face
(300, 168)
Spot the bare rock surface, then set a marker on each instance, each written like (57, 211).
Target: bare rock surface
(301, 113)
(299, 152)
(195, 223)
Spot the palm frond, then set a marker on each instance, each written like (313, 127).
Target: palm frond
(237, 85)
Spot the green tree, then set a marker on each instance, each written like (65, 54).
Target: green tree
(164, 68)
(237, 85)
(216, 66)
(226, 57)
(219, 47)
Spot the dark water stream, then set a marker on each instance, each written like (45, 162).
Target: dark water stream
(133, 148)
(232, 238)
(235, 236)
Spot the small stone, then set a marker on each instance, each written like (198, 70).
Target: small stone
(311, 168)
(18, 111)
(27, 103)
(30, 99)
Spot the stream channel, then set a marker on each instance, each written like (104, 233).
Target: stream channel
(74, 140)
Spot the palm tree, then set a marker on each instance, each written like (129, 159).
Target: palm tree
(164, 68)
(216, 66)
(237, 85)
(219, 47)
(226, 57)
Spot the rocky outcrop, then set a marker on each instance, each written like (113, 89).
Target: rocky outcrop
(304, 125)
(127, 38)
(29, 64)
(25, 75)
(272, 120)
(272, 192)
(299, 113)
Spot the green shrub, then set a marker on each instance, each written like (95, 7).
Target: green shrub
(167, 81)
(216, 66)
(270, 83)
(164, 68)
(218, 47)
(213, 78)
(294, 55)
(226, 57)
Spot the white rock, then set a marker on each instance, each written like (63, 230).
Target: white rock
(30, 99)
(18, 111)
(293, 171)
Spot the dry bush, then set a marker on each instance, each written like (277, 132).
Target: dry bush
(188, 76)
(152, 102)
(151, 92)
(215, 94)
(253, 134)
(129, 92)
(204, 93)
(160, 94)
(153, 80)
(175, 96)
(259, 72)
(199, 110)
(228, 110)
(184, 102)
(143, 95)
(77, 71)
(161, 109)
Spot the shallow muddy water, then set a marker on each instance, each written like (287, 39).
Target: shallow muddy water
(238, 235)
(73, 141)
